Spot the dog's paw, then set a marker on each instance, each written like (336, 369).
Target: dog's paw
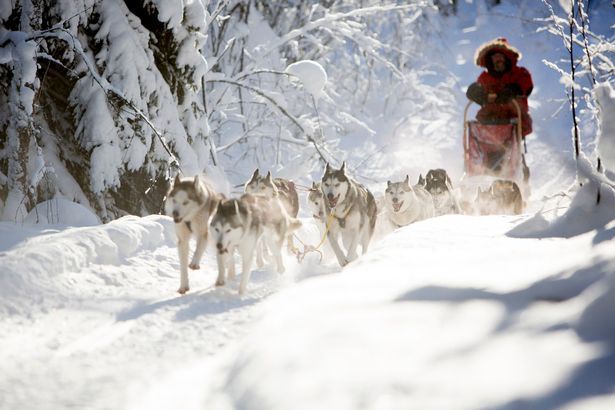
(182, 290)
(220, 283)
(194, 266)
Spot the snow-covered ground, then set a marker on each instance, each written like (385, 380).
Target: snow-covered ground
(455, 312)
(452, 312)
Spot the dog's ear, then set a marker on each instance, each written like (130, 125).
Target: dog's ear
(176, 180)
(268, 177)
(254, 176)
(421, 180)
(236, 203)
(343, 167)
(197, 184)
(407, 180)
(327, 168)
(388, 184)
(314, 186)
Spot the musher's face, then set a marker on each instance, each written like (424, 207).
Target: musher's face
(499, 62)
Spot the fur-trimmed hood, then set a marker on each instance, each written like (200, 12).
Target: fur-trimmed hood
(499, 45)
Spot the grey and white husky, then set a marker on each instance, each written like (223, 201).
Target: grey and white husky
(316, 203)
(280, 188)
(439, 185)
(191, 202)
(405, 204)
(353, 211)
(239, 224)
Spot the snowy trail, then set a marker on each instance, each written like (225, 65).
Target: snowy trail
(111, 327)
(112, 334)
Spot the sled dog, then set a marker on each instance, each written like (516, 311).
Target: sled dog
(316, 203)
(280, 188)
(191, 202)
(239, 224)
(353, 211)
(405, 204)
(439, 185)
(502, 197)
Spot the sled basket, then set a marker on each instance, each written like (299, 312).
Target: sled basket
(492, 149)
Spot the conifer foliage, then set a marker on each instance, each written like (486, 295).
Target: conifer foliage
(102, 101)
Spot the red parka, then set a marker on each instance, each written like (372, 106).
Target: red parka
(514, 82)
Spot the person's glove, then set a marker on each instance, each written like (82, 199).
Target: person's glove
(508, 93)
(476, 93)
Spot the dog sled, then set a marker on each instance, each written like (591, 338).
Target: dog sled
(494, 150)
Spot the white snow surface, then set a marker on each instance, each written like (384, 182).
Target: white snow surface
(451, 312)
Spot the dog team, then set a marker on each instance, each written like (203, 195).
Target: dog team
(258, 223)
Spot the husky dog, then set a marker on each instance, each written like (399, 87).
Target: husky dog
(190, 202)
(240, 224)
(438, 184)
(405, 204)
(316, 203)
(280, 188)
(353, 211)
(503, 196)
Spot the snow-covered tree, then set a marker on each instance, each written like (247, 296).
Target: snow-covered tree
(103, 100)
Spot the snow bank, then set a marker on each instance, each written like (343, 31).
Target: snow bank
(400, 328)
(61, 211)
(605, 97)
(44, 272)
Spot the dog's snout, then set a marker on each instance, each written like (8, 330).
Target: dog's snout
(329, 195)
(395, 200)
(175, 214)
(219, 246)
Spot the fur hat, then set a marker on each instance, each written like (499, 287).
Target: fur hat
(499, 45)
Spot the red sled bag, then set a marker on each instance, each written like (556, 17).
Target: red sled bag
(492, 149)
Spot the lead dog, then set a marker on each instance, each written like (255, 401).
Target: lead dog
(353, 211)
(239, 224)
(405, 204)
(191, 202)
(439, 185)
(280, 188)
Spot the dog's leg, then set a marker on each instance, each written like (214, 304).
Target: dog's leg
(230, 264)
(201, 244)
(261, 248)
(366, 237)
(291, 244)
(247, 253)
(183, 248)
(222, 260)
(353, 243)
(341, 258)
(276, 244)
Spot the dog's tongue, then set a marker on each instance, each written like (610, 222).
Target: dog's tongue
(333, 202)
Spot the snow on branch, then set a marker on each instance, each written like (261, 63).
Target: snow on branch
(65, 35)
(281, 109)
(336, 18)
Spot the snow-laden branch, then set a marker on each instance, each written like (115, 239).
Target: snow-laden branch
(336, 17)
(281, 109)
(65, 35)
